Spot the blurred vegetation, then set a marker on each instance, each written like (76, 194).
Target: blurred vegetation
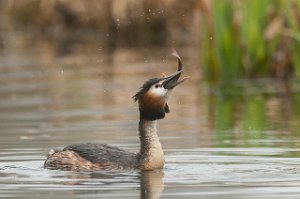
(237, 38)
(66, 24)
(250, 38)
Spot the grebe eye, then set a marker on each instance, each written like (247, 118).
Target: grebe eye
(158, 85)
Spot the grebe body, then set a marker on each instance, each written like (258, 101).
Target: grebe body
(152, 99)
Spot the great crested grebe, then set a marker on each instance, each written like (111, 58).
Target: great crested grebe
(152, 100)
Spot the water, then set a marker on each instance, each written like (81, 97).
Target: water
(240, 142)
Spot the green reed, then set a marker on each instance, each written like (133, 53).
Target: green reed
(251, 38)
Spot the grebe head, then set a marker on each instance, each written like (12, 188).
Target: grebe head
(152, 96)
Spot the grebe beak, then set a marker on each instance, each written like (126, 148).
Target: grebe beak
(171, 81)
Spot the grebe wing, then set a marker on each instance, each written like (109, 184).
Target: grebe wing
(102, 153)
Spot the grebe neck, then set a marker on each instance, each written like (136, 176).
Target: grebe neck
(151, 154)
